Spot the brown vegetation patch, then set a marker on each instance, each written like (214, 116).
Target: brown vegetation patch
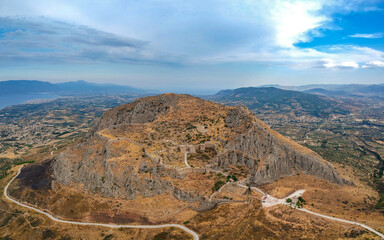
(350, 203)
(118, 218)
(36, 176)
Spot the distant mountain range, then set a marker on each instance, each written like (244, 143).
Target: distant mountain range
(330, 93)
(317, 100)
(338, 90)
(279, 101)
(20, 87)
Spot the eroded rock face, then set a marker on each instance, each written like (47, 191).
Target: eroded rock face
(141, 111)
(111, 179)
(281, 158)
(100, 165)
(239, 116)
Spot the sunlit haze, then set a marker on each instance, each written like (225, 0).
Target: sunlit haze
(208, 45)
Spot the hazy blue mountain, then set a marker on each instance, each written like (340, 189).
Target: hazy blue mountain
(20, 91)
(279, 100)
(330, 93)
(86, 88)
(372, 90)
(68, 88)
(25, 87)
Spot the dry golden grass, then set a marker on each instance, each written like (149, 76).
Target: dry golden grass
(71, 203)
(19, 223)
(350, 203)
(250, 221)
(196, 182)
(198, 122)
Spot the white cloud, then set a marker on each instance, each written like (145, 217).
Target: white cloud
(294, 20)
(374, 64)
(200, 31)
(44, 40)
(337, 57)
(364, 35)
(183, 26)
(341, 65)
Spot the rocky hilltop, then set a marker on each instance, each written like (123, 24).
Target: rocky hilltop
(167, 144)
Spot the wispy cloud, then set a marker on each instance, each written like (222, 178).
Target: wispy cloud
(340, 65)
(374, 64)
(42, 39)
(178, 32)
(365, 35)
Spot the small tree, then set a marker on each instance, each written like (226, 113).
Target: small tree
(301, 199)
(298, 204)
(228, 177)
(288, 200)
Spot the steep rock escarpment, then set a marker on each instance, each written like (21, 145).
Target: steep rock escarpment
(140, 111)
(88, 164)
(280, 156)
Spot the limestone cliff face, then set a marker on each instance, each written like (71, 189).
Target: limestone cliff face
(88, 165)
(280, 156)
(141, 111)
(131, 151)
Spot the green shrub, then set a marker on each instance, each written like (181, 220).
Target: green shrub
(218, 185)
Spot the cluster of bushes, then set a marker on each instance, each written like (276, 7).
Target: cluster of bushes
(380, 203)
(23, 162)
(300, 201)
(7, 163)
(233, 177)
(218, 185)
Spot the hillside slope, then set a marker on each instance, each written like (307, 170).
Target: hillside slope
(139, 149)
(278, 100)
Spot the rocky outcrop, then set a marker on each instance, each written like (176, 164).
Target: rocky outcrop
(96, 174)
(143, 110)
(95, 165)
(239, 117)
(279, 157)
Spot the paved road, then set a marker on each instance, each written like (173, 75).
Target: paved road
(195, 236)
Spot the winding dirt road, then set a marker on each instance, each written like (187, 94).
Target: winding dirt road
(269, 201)
(253, 188)
(344, 221)
(194, 235)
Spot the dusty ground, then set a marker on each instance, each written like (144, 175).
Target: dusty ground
(137, 144)
(250, 221)
(70, 203)
(245, 220)
(350, 203)
(18, 223)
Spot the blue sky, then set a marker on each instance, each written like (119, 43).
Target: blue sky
(176, 45)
